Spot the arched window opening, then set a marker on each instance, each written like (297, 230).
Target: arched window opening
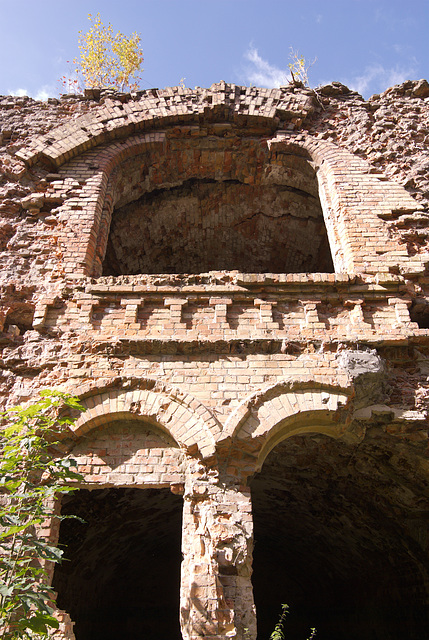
(121, 576)
(331, 542)
(242, 208)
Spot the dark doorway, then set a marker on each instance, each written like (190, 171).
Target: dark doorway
(337, 539)
(121, 578)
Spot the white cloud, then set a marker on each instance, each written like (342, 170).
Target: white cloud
(45, 92)
(377, 78)
(17, 92)
(42, 95)
(261, 73)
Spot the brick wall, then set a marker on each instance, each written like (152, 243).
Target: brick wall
(191, 375)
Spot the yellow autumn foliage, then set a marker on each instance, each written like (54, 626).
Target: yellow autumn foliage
(108, 60)
(299, 68)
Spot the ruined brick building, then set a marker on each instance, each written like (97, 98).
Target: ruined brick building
(235, 283)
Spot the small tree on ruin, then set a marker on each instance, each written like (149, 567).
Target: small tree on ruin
(299, 68)
(108, 60)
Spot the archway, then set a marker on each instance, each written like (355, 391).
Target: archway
(339, 536)
(121, 576)
(215, 204)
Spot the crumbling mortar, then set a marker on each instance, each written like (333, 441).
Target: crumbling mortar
(225, 370)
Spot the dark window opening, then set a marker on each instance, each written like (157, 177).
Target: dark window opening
(121, 578)
(211, 225)
(419, 313)
(332, 544)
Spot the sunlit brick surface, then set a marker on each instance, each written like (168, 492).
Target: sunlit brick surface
(234, 282)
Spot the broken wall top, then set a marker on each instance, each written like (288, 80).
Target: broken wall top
(354, 144)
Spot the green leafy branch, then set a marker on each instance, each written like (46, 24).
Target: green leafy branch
(278, 633)
(31, 478)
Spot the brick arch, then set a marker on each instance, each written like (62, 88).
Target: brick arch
(263, 109)
(96, 198)
(179, 414)
(108, 186)
(269, 416)
(353, 200)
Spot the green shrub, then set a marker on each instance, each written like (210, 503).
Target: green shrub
(31, 478)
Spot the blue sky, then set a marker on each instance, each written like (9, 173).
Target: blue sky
(367, 44)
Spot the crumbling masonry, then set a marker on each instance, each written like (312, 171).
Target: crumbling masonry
(235, 283)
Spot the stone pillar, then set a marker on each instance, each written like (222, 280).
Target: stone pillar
(216, 590)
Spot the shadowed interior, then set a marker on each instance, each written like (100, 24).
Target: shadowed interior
(202, 207)
(340, 534)
(122, 574)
